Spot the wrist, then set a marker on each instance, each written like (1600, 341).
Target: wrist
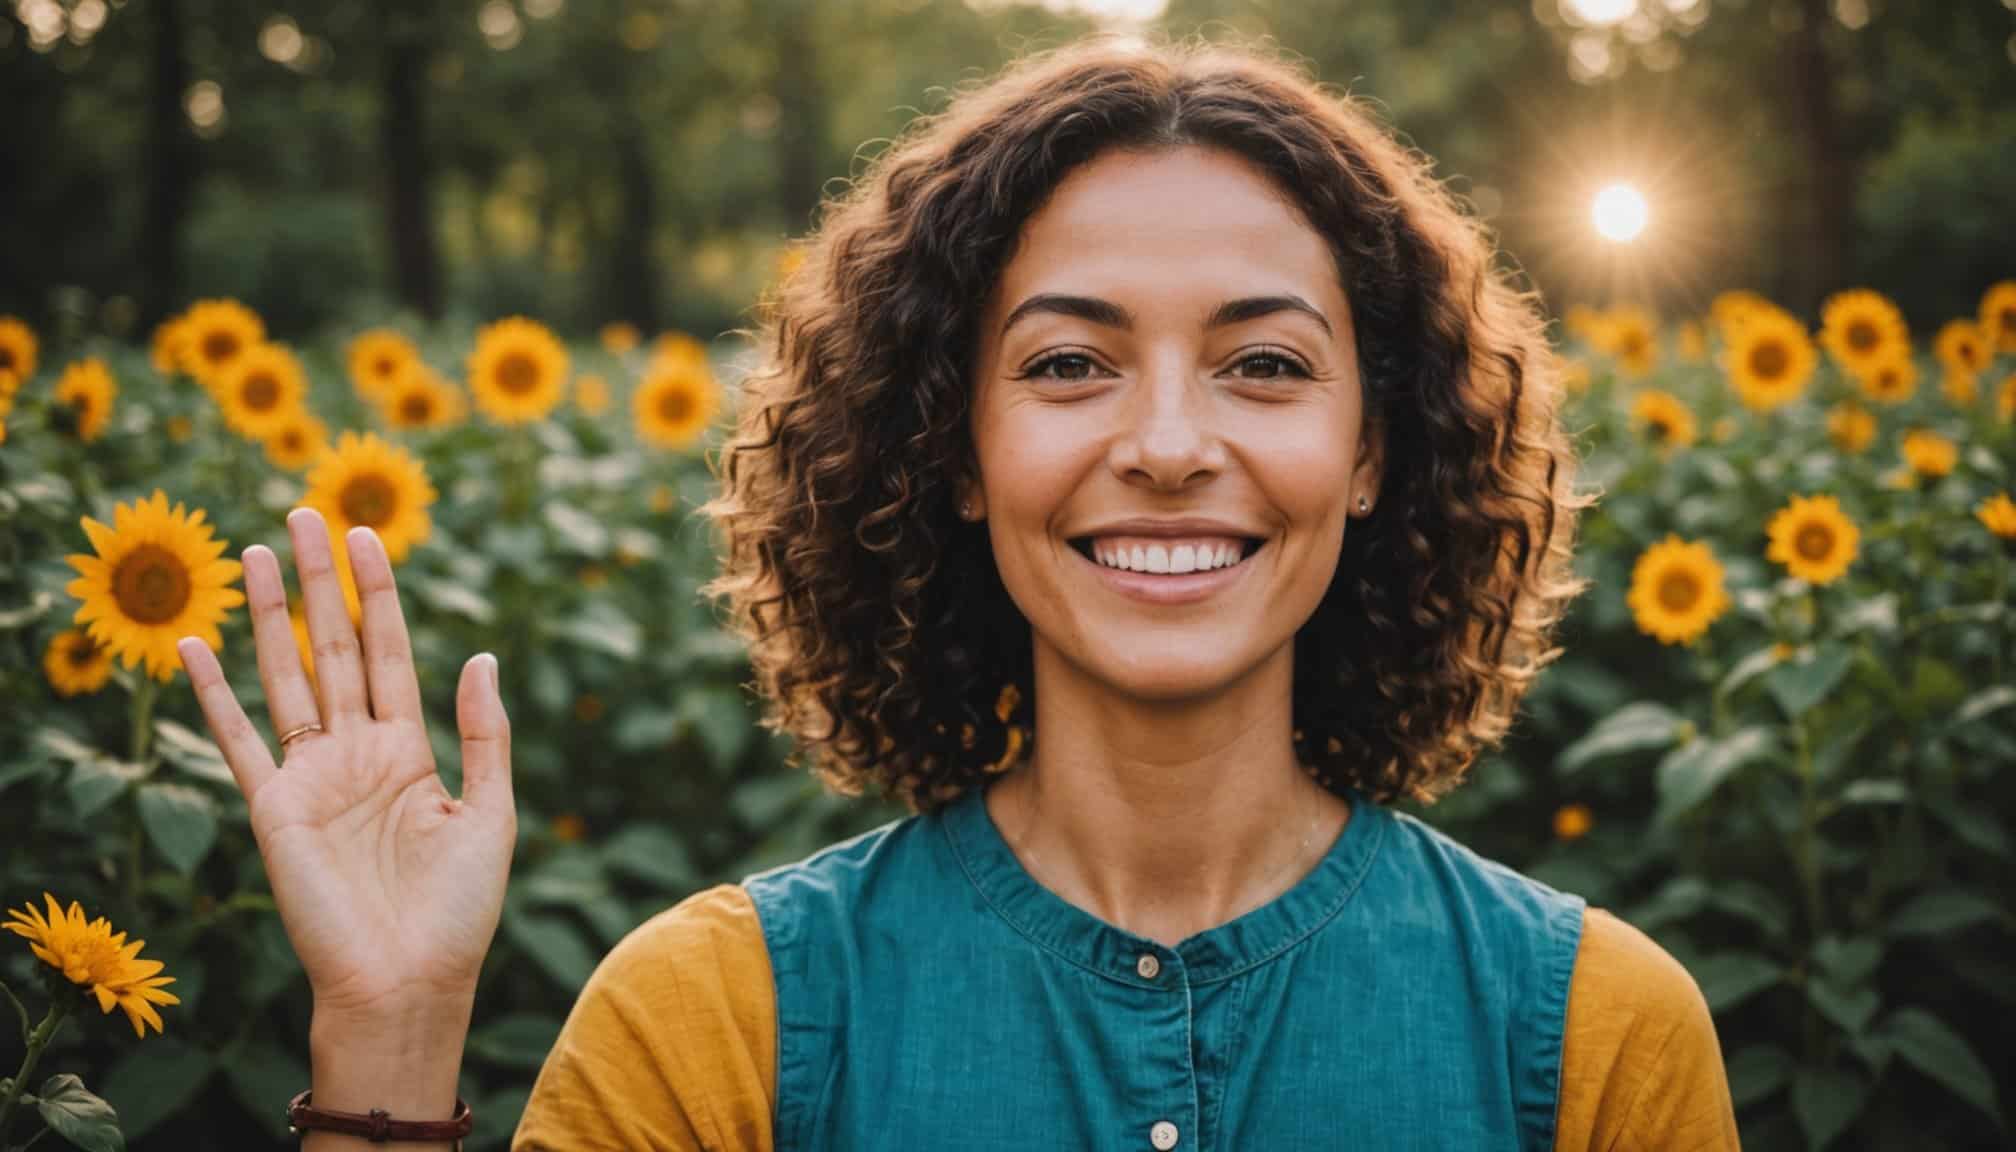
(405, 1061)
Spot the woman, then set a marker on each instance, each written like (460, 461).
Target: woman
(1151, 479)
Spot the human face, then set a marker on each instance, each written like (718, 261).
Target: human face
(1170, 339)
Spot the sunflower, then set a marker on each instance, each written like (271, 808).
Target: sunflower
(75, 664)
(675, 402)
(518, 371)
(179, 429)
(155, 579)
(1960, 390)
(1693, 345)
(1731, 310)
(168, 350)
(1962, 348)
(1582, 322)
(1862, 329)
(1893, 381)
(1851, 427)
(1631, 336)
(1998, 515)
(419, 398)
(619, 338)
(678, 348)
(219, 332)
(592, 394)
(1676, 590)
(2005, 399)
(261, 389)
(17, 353)
(367, 481)
(1813, 539)
(92, 956)
(88, 388)
(1664, 417)
(378, 358)
(1998, 315)
(1928, 453)
(297, 442)
(1770, 359)
(1572, 821)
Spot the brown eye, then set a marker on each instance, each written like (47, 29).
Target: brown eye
(1270, 366)
(1067, 365)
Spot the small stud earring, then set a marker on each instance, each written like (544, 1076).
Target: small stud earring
(1362, 505)
(966, 509)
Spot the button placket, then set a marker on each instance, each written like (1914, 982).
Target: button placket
(1163, 1135)
(1148, 966)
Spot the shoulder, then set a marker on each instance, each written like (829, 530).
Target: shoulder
(1506, 905)
(1641, 1063)
(828, 886)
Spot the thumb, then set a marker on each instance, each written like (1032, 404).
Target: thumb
(486, 736)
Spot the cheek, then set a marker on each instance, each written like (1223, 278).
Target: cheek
(1302, 466)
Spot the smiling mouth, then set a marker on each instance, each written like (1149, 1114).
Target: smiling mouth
(1144, 557)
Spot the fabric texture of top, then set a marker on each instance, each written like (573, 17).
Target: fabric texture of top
(914, 987)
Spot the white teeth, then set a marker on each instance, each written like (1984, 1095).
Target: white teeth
(1184, 559)
(1160, 559)
(1137, 560)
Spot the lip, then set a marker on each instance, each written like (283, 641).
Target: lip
(1179, 526)
(1158, 588)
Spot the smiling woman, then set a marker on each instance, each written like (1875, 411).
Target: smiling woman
(1150, 479)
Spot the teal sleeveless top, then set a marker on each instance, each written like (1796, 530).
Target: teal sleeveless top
(1406, 993)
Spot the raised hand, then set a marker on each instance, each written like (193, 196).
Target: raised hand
(389, 887)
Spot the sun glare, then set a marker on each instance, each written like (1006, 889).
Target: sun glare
(1619, 213)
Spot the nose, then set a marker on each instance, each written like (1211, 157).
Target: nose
(1167, 436)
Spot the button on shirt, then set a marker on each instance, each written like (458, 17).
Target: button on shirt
(931, 994)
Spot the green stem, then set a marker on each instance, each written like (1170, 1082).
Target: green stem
(37, 1041)
(143, 715)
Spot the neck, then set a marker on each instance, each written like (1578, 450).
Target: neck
(1165, 819)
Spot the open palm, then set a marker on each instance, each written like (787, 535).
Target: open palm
(390, 888)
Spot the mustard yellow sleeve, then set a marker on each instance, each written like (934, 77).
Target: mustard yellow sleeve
(1641, 1067)
(672, 1044)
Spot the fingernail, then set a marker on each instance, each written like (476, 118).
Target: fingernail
(489, 663)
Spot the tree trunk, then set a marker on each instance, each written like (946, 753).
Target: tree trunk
(801, 124)
(636, 285)
(1820, 239)
(170, 169)
(416, 271)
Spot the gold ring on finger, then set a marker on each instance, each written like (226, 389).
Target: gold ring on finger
(295, 733)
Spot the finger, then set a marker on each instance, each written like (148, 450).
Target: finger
(388, 650)
(244, 749)
(486, 737)
(339, 662)
(290, 699)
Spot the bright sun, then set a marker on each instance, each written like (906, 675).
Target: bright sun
(1619, 213)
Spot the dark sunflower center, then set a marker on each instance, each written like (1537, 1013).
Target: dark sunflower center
(1862, 335)
(219, 346)
(385, 365)
(83, 651)
(2008, 323)
(6, 359)
(1679, 591)
(517, 374)
(261, 391)
(291, 440)
(151, 585)
(416, 406)
(674, 405)
(1769, 360)
(1632, 343)
(1814, 542)
(369, 499)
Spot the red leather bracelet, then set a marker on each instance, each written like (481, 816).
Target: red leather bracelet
(377, 1125)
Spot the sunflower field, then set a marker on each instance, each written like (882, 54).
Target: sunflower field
(1782, 737)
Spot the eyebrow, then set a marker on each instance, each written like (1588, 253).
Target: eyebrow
(1111, 315)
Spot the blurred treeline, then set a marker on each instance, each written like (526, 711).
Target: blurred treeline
(645, 160)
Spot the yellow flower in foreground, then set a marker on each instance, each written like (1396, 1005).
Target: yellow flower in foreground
(155, 579)
(1770, 359)
(420, 399)
(88, 388)
(1891, 381)
(518, 371)
(592, 394)
(1676, 591)
(378, 358)
(1928, 453)
(219, 332)
(1631, 336)
(1851, 426)
(620, 337)
(1813, 539)
(1665, 419)
(75, 664)
(366, 481)
(1998, 515)
(17, 352)
(675, 402)
(260, 391)
(92, 956)
(1998, 315)
(1962, 348)
(297, 442)
(1861, 329)
(168, 350)
(1572, 821)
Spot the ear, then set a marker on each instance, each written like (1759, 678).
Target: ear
(1371, 467)
(966, 492)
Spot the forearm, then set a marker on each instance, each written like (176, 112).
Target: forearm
(407, 1065)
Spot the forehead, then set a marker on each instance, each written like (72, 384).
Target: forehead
(1179, 221)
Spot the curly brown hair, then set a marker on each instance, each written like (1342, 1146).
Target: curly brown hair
(877, 623)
